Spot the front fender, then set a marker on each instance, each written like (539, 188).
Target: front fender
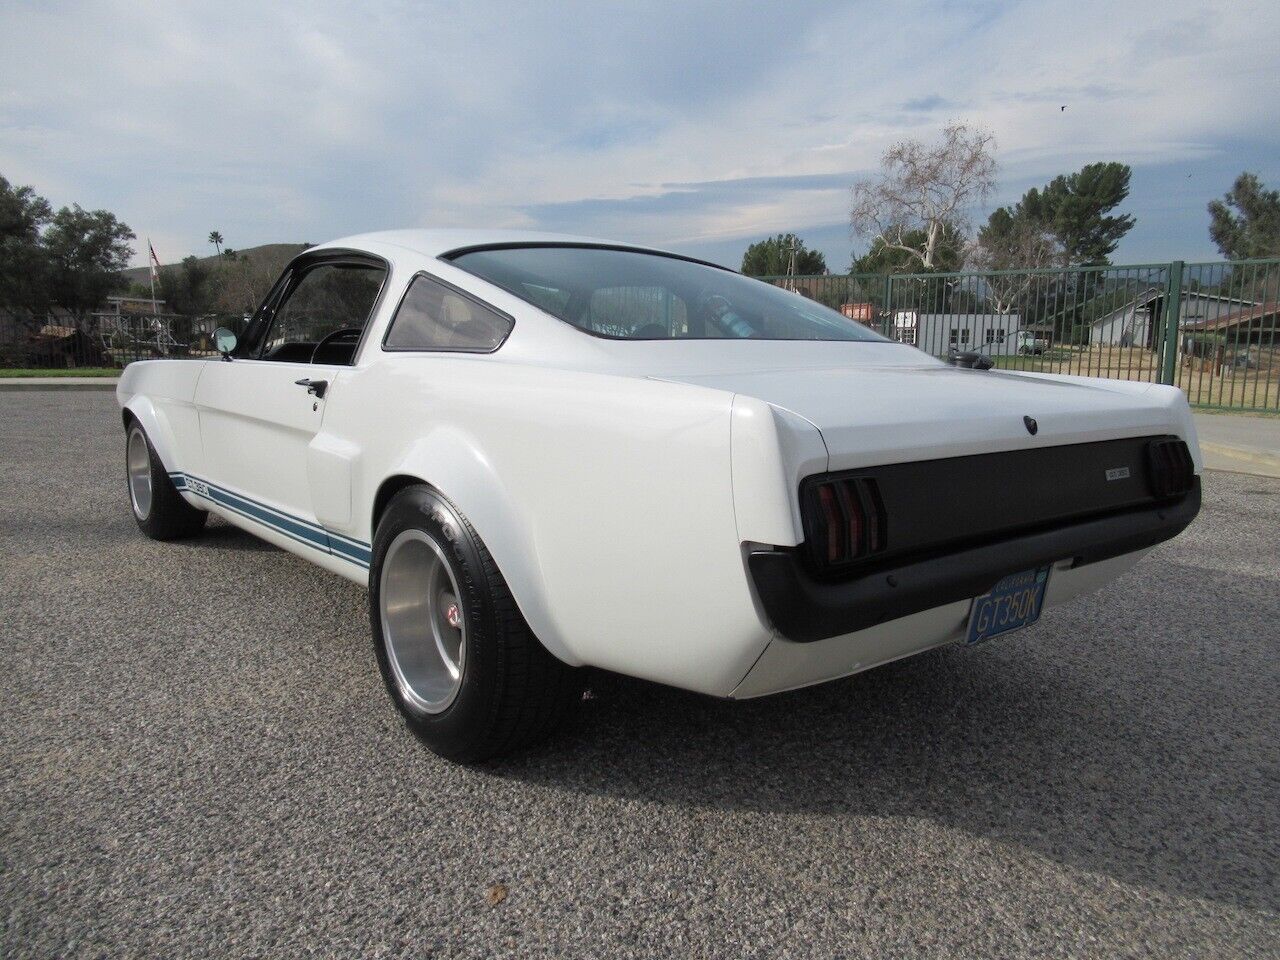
(160, 394)
(158, 427)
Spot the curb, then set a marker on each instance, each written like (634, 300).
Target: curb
(1240, 453)
(1252, 462)
(35, 384)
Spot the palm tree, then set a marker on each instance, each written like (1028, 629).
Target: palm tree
(216, 239)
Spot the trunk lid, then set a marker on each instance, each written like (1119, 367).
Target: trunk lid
(876, 413)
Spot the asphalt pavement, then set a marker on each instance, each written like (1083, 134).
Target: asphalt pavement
(197, 759)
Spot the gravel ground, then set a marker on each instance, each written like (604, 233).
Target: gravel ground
(197, 759)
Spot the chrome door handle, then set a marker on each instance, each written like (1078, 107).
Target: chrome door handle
(314, 387)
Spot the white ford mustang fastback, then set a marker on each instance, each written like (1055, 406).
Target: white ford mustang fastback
(543, 453)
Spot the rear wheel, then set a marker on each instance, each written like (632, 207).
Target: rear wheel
(158, 507)
(462, 666)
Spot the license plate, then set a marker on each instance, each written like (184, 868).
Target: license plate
(1013, 603)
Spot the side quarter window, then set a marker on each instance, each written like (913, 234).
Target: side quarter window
(432, 316)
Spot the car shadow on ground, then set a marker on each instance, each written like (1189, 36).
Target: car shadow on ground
(999, 743)
(220, 535)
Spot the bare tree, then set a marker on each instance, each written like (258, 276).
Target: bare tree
(924, 189)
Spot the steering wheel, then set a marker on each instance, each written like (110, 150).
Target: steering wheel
(348, 333)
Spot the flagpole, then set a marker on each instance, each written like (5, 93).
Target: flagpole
(151, 269)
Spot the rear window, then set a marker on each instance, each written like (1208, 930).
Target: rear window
(632, 295)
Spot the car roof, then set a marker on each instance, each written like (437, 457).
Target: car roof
(437, 243)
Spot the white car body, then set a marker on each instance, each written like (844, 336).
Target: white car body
(620, 486)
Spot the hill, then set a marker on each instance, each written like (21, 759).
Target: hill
(267, 255)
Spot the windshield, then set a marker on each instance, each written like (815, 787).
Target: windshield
(630, 295)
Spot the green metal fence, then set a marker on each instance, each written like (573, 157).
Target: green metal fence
(1212, 329)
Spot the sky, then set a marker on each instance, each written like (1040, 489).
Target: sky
(696, 126)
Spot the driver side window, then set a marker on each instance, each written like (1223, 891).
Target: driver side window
(323, 314)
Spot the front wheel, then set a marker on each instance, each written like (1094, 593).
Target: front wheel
(159, 508)
(458, 659)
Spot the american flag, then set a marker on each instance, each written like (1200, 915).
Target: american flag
(155, 262)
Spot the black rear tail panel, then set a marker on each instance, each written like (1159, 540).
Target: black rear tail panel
(935, 506)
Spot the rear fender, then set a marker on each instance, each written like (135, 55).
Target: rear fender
(454, 463)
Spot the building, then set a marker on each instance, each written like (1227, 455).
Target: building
(1259, 324)
(863, 313)
(1138, 323)
(121, 305)
(992, 334)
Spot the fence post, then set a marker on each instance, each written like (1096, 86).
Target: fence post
(887, 322)
(1172, 323)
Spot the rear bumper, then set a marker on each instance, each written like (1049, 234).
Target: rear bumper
(804, 609)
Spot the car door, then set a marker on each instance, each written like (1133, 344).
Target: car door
(261, 408)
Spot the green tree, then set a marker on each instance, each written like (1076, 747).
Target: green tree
(948, 253)
(216, 239)
(1009, 246)
(86, 251)
(1245, 223)
(772, 257)
(1068, 221)
(23, 263)
(190, 288)
(1012, 240)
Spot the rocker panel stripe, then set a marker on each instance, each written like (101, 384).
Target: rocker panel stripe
(303, 531)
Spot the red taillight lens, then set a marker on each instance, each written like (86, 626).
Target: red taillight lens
(833, 522)
(845, 520)
(857, 523)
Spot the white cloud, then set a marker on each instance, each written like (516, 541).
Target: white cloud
(301, 121)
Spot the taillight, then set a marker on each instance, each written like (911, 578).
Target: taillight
(844, 520)
(1170, 470)
(833, 519)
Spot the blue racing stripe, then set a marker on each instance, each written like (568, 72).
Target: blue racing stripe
(294, 528)
(277, 514)
(303, 531)
(270, 526)
(348, 551)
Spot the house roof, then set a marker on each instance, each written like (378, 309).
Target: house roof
(1152, 294)
(1261, 311)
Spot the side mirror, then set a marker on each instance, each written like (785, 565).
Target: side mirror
(225, 341)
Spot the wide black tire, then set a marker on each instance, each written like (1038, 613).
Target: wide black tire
(511, 692)
(163, 514)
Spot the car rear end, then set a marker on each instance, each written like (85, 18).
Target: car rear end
(960, 513)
